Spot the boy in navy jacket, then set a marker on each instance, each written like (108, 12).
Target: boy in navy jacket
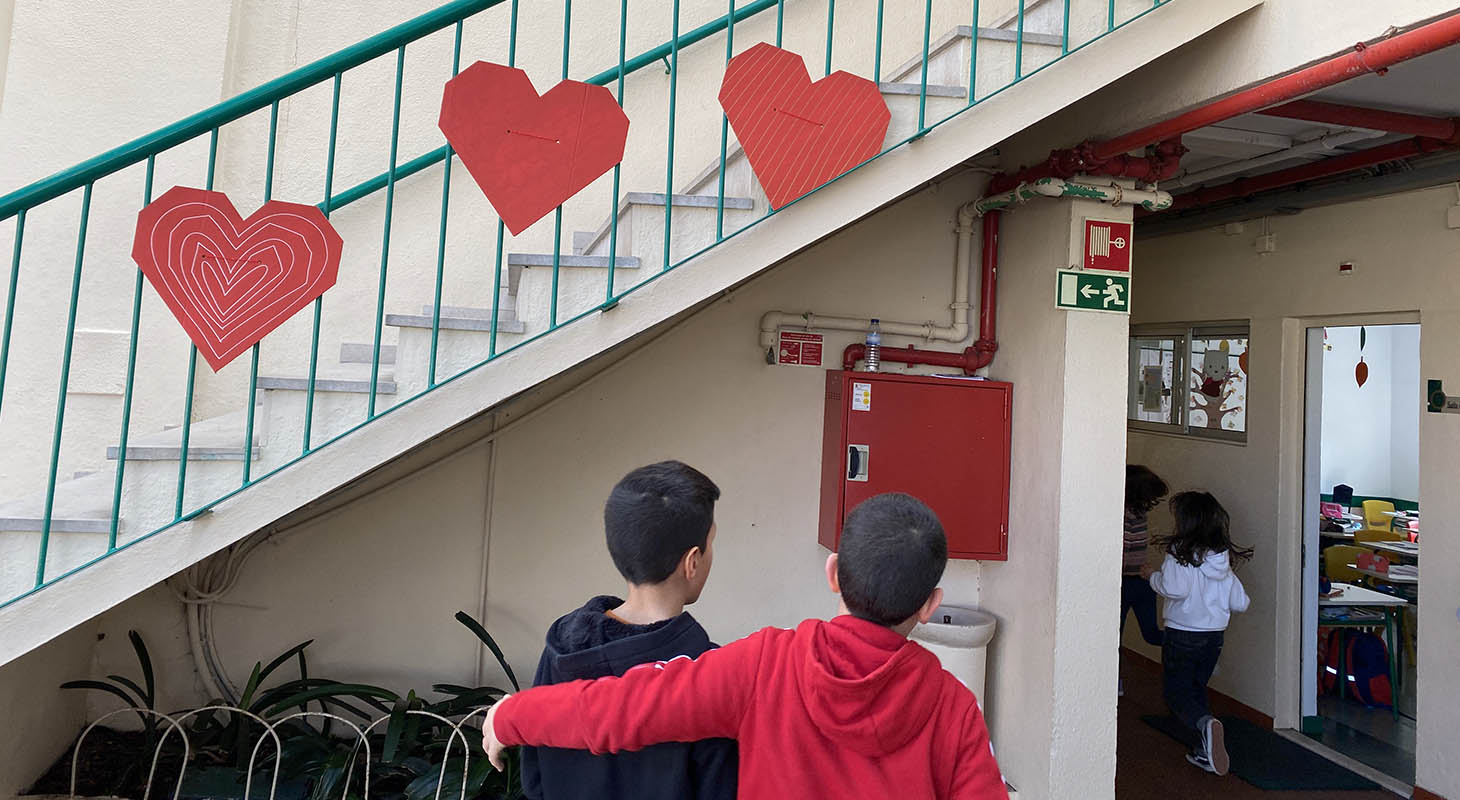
(660, 527)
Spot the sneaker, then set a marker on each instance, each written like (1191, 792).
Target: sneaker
(1120, 688)
(1213, 743)
(1199, 760)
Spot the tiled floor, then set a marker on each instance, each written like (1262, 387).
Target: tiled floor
(1152, 766)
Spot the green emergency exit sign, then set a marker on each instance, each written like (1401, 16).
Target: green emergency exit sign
(1092, 291)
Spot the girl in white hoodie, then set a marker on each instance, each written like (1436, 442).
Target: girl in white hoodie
(1201, 593)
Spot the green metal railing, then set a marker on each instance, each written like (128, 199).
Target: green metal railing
(1003, 55)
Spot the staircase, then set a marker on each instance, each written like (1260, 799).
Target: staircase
(144, 511)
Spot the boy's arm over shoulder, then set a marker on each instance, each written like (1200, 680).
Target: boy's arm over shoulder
(680, 700)
(977, 775)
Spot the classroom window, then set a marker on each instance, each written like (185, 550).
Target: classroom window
(1189, 380)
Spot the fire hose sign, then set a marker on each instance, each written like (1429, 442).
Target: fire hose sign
(799, 349)
(1107, 245)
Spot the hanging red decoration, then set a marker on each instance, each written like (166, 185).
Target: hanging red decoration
(1242, 362)
(530, 153)
(1361, 372)
(798, 134)
(230, 280)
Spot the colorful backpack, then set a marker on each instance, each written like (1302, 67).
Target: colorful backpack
(1365, 665)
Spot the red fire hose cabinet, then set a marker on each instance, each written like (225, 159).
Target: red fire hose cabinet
(944, 440)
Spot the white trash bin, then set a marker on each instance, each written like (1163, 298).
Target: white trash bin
(959, 637)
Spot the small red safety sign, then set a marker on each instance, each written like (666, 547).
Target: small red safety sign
(799, 349)
(1107, 245)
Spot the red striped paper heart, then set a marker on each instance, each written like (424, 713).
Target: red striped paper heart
(228, 280)
(797, 134)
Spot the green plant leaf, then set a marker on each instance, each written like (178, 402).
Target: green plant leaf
(104, 687)
(357, 690)
(394, 730)
(123, 680)
(148, 679)
(285, 656)
(252, 686)
(481, 633)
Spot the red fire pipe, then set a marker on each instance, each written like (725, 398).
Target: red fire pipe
(1163, 162)
(1243, 187)
(966, 360)
(1365, 58)
(988, 304)
(1371, 118)
(981, 354)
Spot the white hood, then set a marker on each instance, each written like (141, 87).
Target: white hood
(1200, 598)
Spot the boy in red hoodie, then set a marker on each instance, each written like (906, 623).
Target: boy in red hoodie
(846, 708)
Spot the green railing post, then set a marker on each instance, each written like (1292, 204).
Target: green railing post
(10, 301)
(111, 538)
(558, 212)
(877, 53)
(253, 367)
(400, 71)
(623, 32)
(501, 226)
(780, 20)
(1110, 22)
(973, 59)
(669, 160)
(187, 421)
(830, 27)
(724, 129)
(441, 239)
(329, 181)
(1019, 45)
(923, 87)
(1065, 36)
(40, 570)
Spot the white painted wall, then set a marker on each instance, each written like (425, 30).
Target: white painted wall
(41, 720)
(1371, 432)
(1406, 257)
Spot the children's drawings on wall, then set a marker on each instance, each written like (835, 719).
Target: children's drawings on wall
(530, 153)
(797, 134)
(228, 280)
(1218, 388)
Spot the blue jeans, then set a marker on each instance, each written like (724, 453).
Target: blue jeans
(1136, 593)
(1187, 661)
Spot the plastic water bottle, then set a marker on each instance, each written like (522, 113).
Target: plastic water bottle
(874, 347)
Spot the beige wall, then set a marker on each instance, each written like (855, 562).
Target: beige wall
(40, 719)
(1405, 256)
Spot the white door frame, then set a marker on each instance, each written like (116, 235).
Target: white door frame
(1294, 649)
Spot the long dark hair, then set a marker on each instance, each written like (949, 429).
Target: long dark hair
(1143, 489)
(1202, 527)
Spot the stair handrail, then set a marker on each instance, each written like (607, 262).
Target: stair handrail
(312, 74)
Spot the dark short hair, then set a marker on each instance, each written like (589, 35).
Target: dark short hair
(1143, 488)
(654, 516)
(890, 558)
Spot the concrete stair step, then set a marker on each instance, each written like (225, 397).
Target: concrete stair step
(460, 317)
(81, 505)
(215, 439)
(325, 385)
(586, 242)
(361, 353)
(516, 262)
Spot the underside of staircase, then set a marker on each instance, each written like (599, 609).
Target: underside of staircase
(160, 537)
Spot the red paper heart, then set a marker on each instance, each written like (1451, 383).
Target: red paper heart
(529, 154)
(229, 280)
(797, 134)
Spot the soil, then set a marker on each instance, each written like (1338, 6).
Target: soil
(113, 764)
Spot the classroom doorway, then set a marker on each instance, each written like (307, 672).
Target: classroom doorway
(1361, 543)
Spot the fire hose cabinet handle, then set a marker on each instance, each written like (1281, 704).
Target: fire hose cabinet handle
(857, 458)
